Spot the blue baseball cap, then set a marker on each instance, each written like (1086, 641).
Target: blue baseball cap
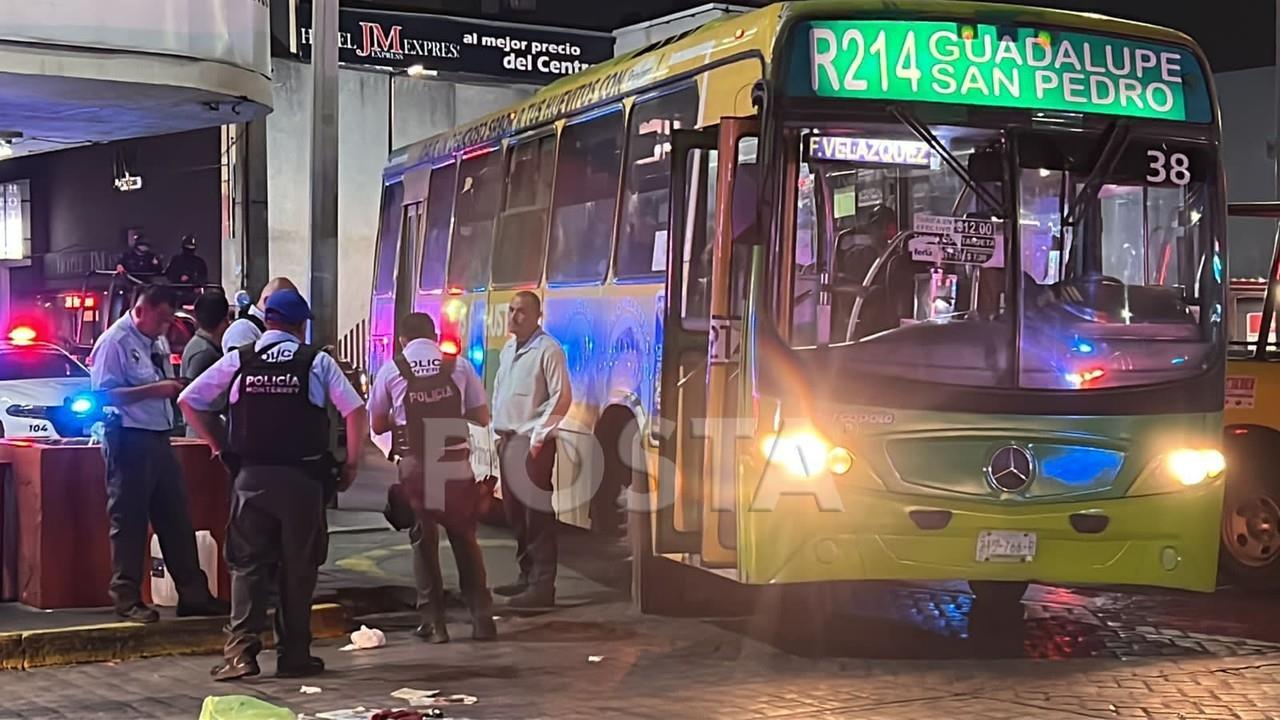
(289, 307)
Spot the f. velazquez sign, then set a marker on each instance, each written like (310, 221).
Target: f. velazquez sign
(401, 40)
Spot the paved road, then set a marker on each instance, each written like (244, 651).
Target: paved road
(663, 668)
(874, 651)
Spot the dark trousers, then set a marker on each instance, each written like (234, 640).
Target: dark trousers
(144, 484)
(276, 535)
(458, 518)
(526, 499)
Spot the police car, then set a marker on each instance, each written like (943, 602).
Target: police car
(44, 392)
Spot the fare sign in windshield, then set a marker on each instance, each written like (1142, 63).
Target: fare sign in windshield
(976, 64)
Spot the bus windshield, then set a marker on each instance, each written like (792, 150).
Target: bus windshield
(908, 255)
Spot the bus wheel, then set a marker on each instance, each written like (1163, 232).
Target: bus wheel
(1251, 530)
(997, 595)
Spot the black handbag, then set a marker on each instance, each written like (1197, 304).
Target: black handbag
(398, 512)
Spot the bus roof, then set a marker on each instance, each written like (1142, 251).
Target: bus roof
(734, 35)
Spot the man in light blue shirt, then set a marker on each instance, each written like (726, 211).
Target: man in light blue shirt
(277, 443)
(130, 367)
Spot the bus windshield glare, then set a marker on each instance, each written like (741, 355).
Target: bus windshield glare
(908, 261)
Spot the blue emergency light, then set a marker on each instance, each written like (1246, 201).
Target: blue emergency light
(82, 404)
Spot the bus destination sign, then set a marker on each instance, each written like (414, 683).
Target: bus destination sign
(871, 150)
(977, 64)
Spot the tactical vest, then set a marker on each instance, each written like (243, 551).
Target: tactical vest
(432, 404)
(273, 421)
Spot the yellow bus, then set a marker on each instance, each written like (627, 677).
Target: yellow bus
(857, 289)
(1251, 512)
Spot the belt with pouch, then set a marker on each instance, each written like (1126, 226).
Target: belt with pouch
(325, 469)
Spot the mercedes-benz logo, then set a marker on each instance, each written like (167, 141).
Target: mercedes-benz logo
(1011, 468)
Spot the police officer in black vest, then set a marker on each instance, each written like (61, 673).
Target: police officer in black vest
(425, 398)
(278, 445)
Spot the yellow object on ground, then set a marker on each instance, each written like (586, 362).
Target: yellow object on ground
(242, 707)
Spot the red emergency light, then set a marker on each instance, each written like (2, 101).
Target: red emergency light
(450, 347)
(22, 335)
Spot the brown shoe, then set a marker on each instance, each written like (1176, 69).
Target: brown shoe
(236, 668)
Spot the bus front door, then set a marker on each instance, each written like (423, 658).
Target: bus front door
(682, 406)
(697, 497)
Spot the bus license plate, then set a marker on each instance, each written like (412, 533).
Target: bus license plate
(1006, 546)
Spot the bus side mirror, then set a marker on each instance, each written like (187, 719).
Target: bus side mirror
(746, 203)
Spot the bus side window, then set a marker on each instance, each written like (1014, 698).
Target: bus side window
(435, 246)
(475, 207)
(521, 244)
(642, 233)
(699, 238)
(586, 197)
(388, 240)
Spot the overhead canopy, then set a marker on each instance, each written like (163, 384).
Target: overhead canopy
(74, 72)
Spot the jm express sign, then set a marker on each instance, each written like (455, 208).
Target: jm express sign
(401, 40)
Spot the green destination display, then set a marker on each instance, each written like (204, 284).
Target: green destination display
(976, 64)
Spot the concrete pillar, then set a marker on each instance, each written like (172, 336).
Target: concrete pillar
(324, 172)
(256, 231)
(289, 167)
(363, 125)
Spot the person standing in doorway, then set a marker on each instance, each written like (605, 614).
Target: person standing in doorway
(531, 396)
(425, 397)
(248, 329)
(278, 444)
(130, 367)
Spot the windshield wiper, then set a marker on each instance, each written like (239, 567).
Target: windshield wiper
(923, 132)
(1115, 137)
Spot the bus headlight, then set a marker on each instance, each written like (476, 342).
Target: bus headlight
(805, 453)
(1192, 467)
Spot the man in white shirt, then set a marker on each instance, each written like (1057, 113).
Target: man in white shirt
(249, 329)
(426, 390)
(531, 396)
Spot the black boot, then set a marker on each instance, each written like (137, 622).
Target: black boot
(536, 597)
(513, 589)
(483, 628)
(433, 628)
(299, 669)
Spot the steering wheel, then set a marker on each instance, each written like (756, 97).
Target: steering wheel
(1091, 297)
(889, 249)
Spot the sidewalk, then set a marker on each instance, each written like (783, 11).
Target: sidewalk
(369, 572)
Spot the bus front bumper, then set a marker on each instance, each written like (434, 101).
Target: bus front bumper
(1165, 540)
